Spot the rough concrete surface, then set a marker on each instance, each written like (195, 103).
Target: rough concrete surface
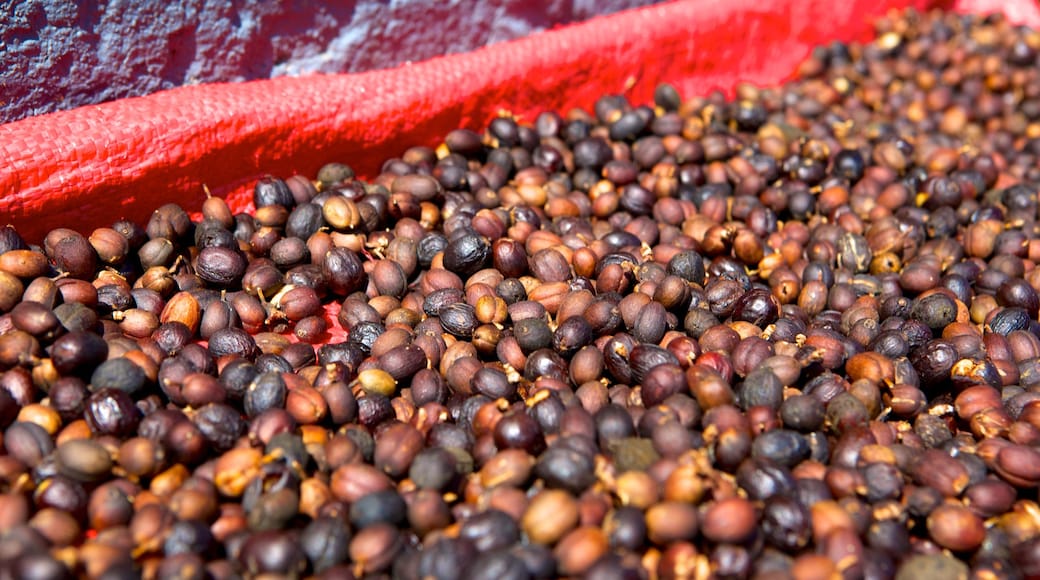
(60, 54)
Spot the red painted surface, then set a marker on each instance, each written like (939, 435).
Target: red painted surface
(89, 166)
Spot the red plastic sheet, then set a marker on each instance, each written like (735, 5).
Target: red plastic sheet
(89, 166)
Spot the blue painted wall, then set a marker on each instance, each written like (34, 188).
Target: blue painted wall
(60, 54)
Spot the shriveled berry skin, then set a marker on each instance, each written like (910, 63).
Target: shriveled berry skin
(220, 266)
(272, 191)
(466, 255)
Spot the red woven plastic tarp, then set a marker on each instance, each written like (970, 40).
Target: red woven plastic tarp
(90, 166)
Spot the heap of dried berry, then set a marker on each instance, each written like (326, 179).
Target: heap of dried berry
(791, 335)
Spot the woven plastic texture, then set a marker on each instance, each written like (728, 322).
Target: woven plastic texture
(89, 166)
